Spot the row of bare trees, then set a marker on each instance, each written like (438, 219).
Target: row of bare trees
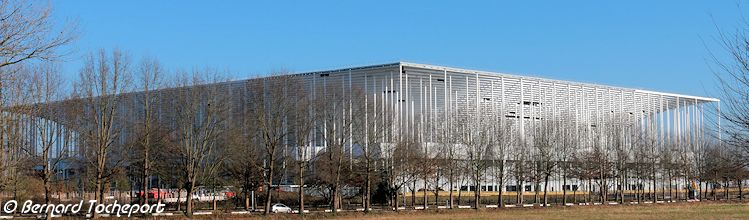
(732, 74)
(122, 124)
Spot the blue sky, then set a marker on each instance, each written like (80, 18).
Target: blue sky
(656, 45)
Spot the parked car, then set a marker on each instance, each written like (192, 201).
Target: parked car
(280, 208)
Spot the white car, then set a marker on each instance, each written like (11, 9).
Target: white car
(280, 208)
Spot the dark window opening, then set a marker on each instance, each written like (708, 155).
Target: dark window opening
(324, 75)
(440, 80)
(570, 187)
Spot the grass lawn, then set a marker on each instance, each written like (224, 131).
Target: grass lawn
(705, 210)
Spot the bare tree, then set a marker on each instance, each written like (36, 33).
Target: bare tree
(622, 151)
(244, 162)
(335, 113)
(28, 33)
(520, 168)
(565, 152)
(104, 79)
(503, 139)
(50, 148)
(371, 135)
(449, 139)
(15, 97)
(544, 142)
(271, 103)
(302, 125)
(199, 125)
(478, 139)
(400, 163)
(149, 76)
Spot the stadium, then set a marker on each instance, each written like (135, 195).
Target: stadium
(502, 132)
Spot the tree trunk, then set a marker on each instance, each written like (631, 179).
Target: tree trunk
(336, 194)
(460, 194)
(663, 191)
(655, 194)
(301, 188)
(500, 203)
(246, 199)
(395, 201)
(188, 201)
(590, 191)
(670, 187)
(335, 200)
(158, 196)
(214, 200)
(676, 190)
(47, 190)
(712, 190)
(451, 189)
(564, 189)
(725, 190)
(574, 195)
(425, 192)
(436, 190)
(144, 184)
(546, 186)
(741, 194)
(477, 194)
(536, 183)
(519, 191)
(602, 186)
(623, 184)
(179, 197)
(368, 187)
(99, 189)
(413, 194)
(269, 185)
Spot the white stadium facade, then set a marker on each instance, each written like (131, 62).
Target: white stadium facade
(441, 107)
(429, 102)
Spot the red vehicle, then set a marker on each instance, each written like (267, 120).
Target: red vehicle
(155, 193)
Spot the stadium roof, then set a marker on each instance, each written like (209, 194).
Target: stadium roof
(488, 73)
